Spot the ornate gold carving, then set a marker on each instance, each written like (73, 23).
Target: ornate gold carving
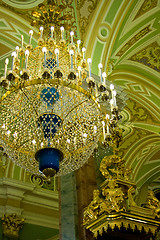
(149, 56)
(11, 225)
(54, 14)
(153, 203)
(114, 205)
(113, 167)
(38, 181)
(93, 209)
(146, 6)
(85, 9)
(133, 40)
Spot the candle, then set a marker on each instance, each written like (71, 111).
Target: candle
(62, 32)
(57, 53)
(13, 58)
(100, 71)
(95, 129)
(17, 50)
(71, 52)
(78, 45)
(41, 30)
(6, 64)
(44, 50)
(114, 98)
(83, 51)
(52, 30)
(22, 41)
(79, 71)
(104, 77)
(26, 60)
(111, 103)
(107, 119)
(104, 134)
(89, 60)
(30, 36)
(72, 34)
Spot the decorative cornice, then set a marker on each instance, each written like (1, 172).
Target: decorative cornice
(37, 205)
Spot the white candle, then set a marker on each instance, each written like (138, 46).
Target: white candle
(107, 129)
(100, 71)
(71, 52)
(83, 51)
(72, 34)
(79, 71)
(95, 129)
(41, 30)
(30, 36)
(111, 103)
(107, 119)
(89, 60)
(104, 77)
(44, 50)
(22, 41)
(52, 30)
(26, 60)
(17, 50)
(62, 32)
(114, 98)
(57, 53)
(5, 69)
(78, 45)
(13, 58)
(104, 134)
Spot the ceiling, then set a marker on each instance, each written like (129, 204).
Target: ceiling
(123, 35)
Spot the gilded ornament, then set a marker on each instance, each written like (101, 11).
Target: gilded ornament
(146, 6)
(11, 225)
(149, 56)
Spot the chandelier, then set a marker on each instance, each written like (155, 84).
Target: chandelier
(51, 114)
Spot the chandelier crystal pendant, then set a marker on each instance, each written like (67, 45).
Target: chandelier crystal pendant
(50, 111)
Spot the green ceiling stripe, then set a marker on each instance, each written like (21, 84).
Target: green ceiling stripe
(138, 70)
(97, 57)
(139, 43)
(148, 178)
(112, 11)
(119, 41)
(152, 128)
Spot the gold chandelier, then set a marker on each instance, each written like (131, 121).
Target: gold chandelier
(51, 115)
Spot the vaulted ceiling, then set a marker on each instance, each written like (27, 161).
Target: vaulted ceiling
(125, 36)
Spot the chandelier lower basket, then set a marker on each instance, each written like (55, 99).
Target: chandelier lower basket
(37, 115)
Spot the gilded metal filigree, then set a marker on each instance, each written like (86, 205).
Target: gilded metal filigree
(149, 56)
(11, 225)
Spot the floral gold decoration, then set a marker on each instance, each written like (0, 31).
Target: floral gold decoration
(149, 56)
(113, 206)
(11, 225)
(146, 6)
